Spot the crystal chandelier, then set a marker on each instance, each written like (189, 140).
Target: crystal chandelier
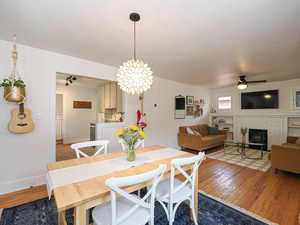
(134, 76)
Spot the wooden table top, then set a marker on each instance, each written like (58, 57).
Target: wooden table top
(72, 195)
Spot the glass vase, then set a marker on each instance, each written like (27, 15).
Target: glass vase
(131, 153)
(243, 139)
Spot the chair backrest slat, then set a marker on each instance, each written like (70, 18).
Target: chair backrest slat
(117, 184)
(101, 146)
(178, 164)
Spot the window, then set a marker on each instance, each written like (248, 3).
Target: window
(224, 103)
(297, 99)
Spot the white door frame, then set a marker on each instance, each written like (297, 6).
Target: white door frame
(63, 121)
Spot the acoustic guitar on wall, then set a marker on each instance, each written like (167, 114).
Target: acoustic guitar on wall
(21, 121)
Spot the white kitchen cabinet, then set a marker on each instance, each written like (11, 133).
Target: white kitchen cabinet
(107, 95)
(119, 99)
(113, 95)
(101, 102)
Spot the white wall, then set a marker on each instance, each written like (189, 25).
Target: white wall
(274, 120)
(24, 158)
(285, 97)
(59, 104)
(76, 122)
(163, 128)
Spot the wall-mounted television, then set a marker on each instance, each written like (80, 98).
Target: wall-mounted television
(260, 100)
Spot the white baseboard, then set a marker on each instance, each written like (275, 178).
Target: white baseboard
(71, 140)
(20, 184)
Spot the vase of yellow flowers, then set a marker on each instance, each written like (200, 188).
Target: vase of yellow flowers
(130, 136)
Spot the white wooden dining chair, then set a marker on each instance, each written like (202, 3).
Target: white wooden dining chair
(100, 145)
(139, 144)
(129, 209)
(174, 191)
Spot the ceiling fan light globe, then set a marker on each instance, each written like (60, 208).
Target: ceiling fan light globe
(242, 86)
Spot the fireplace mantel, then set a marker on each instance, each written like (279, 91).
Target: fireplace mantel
(275, 123)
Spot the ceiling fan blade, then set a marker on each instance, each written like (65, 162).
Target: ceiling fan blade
(256, 81)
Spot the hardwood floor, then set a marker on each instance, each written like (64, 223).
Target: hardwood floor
(21, 197)
(275, 197)
(65, 152)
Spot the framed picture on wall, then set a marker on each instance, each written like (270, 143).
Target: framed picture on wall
(190, 110)
(179, 107)
(190, 100)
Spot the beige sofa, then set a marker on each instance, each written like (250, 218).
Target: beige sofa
(286, 156)
(199, 142)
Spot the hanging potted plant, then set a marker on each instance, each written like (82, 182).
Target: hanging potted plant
(14, 88)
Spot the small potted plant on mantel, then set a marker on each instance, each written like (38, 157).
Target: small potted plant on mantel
(14, 86)
(244, 131)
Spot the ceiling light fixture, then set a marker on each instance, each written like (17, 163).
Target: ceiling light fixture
(70, 79)
(134, 76)
(242, 83)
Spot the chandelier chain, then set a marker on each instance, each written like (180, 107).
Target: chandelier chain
(134, 41)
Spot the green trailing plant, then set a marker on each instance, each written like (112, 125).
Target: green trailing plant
(12, 83)
(244, 131)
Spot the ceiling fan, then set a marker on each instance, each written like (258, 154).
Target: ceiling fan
(243, 83)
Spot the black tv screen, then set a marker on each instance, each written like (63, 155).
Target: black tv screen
(260, 100)
(180, 103)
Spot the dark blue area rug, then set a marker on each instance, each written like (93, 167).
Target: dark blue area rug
(211, 212)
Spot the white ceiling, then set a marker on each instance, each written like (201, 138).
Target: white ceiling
(195, 41)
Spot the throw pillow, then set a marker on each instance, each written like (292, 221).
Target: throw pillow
(213, 131)
(298, 142)
(196, 132)
(190, 131)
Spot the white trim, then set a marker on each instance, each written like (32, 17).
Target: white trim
(72, 140)
(240, 209)
(295, 90)
(20, 184)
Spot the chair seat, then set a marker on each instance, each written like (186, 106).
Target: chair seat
(102, 213)
(163, 189)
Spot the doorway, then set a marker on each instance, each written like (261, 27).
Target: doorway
(82, 105)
